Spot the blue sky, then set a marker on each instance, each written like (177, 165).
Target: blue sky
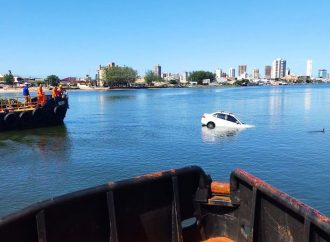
(72, 37)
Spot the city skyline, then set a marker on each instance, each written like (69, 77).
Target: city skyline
(41, 38)
(278, 69)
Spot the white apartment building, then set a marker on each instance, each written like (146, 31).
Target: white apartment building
(309, 68)
(244, 75)
(287, 72)
(278, 68)
(218, 73)
(100, 73)
(184, 77)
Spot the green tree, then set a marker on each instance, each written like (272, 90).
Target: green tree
(309, 79)
(52, 80)
(243, 82)
(174, 82)
(118, 76)
(8, 78)
(199, 76)
(151, 77)
(38, 82)
(304, 79)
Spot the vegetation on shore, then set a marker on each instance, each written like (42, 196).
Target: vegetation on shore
(151, 77)
(8, 78)
(199, 76)
(118, 76)
(52, 80)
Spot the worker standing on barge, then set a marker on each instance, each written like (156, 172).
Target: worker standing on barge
(60, 91)
(26, 93)
(54, 92)
(40, 95)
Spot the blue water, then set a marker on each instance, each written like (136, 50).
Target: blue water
(112, 135)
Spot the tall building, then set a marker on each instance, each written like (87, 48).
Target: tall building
(158, 70)
(256, 73)
(322, 73)
(278, 68)
(184, 77)
(241, 70)
(232, 72)
(218, 73)
(309, 68)
(268, 72)
(287, 72)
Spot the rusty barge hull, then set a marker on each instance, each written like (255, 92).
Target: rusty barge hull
(177, 205)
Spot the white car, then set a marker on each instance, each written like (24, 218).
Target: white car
(222, 119)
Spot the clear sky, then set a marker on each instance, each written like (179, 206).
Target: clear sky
(73, 37)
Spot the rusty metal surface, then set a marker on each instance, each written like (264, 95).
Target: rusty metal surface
(181, 205)
(293, 203)
(277, 216)
(145, 208)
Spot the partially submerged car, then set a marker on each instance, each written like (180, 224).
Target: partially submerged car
(222, 119)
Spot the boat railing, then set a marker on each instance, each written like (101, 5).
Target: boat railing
(16, 104)
(179, 205)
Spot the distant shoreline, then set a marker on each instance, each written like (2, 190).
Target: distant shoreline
(34, 89)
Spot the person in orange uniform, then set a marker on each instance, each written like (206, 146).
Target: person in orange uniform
(54, 92)
(40, 95)
(60, 91)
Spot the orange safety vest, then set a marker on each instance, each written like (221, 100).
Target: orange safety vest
(40, 96)
(39, 91)
(54, 92)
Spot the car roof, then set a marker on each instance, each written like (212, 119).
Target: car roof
(225, 113)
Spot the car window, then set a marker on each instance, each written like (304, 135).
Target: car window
(221, 115)
(231, 119)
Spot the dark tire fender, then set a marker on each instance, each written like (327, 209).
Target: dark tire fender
(11, 120)
(25, 118)
(38, 115)
(60, 112)
(2, 121)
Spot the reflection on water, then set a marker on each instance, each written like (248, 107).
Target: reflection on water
(218, 134)
(119, 97)
(307, 100)
(44, 142)
(275, 104)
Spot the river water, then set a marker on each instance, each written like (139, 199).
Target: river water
(112, 135)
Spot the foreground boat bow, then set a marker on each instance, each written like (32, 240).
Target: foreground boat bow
(176, 205)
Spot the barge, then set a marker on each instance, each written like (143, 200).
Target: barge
(16, 113)
(182, 205)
